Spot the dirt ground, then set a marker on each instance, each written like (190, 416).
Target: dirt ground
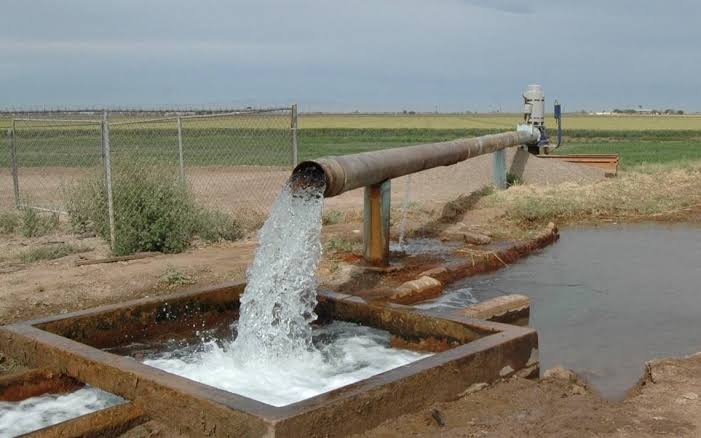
(254, 188)
(665, 404)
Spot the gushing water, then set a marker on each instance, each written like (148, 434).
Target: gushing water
(278, 304)
(274, 358)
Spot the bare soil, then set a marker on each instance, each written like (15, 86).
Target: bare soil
(665, 403)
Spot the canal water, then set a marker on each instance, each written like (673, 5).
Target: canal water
(604, 299)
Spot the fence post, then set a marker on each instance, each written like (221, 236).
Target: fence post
(13, 163)
(180, 151)
(499, 168)
(293, 132)
(107, 156)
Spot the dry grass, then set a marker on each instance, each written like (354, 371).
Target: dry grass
(645, 193)
(495, 121)
(51, 252)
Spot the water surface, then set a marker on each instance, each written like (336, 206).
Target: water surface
(605, 299)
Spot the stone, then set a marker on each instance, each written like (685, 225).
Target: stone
(559, 373)
(578, 390)
(475, 387)
(498, 306)
(435, 272)
(691, 396)
(476, 238)
(413, 291)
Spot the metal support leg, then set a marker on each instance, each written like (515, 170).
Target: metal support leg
(499, 169)
(376, 224)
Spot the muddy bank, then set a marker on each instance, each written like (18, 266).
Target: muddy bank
(666, 403)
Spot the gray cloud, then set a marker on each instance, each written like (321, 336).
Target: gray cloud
(365, 54)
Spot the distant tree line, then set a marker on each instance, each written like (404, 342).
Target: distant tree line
(668, 111)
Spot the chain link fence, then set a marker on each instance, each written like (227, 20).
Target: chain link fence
(232, 162)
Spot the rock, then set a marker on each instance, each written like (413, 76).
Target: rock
(691, 396)
(578, 390)
(529, 372)
(475, 387)
(476, 238)
(436, 414)
(559, 373)
(467, 237)
(435, 272)
(498, 307)
(417, 290)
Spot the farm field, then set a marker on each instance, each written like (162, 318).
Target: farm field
(264, 141)
(499, 121)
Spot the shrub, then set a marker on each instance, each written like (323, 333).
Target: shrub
(35, 224)
(9, 221)
(214, 226)
(153, 211)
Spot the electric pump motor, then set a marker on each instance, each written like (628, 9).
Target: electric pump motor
(534, 114)
(534, 105)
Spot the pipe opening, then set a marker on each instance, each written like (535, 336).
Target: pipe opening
(308, 174)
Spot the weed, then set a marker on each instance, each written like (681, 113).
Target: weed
(542, 209)
(336, 244)
(332, 217)
(9, 221)
(36, 224)
(51, 252)
(513, 180)
(172, 277)
(215, 226)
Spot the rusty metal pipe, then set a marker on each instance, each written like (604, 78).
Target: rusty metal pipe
(348, 172)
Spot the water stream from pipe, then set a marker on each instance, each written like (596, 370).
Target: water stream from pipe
(278, 357)
(278, 304)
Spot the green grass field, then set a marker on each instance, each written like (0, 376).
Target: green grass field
(251, 140)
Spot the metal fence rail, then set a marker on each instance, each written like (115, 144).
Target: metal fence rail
(232, 160)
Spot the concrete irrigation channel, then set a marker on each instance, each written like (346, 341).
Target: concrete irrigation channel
(71, 348)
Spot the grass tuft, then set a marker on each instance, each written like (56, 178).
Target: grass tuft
(332, 217)
(173, 277)
(9, 222)
(36, 224)
(51, 252)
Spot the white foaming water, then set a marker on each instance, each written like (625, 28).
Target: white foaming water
(17, 418)
(277, 306)
(455, 299)
(344, 353)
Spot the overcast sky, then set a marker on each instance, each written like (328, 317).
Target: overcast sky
(351, 54)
